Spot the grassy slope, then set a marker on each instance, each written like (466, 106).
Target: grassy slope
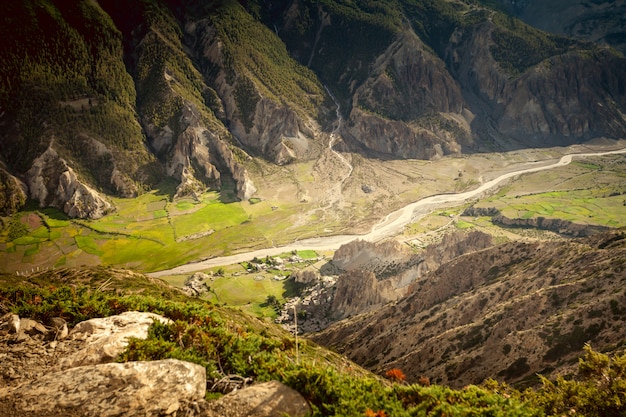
(227, 341)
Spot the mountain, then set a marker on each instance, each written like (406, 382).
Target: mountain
(597, 21)
(511, 310)
(108, 98)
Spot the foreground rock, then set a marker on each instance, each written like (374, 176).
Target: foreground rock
(270, 399)
(44, 375)
(114, 389)
(105, 338)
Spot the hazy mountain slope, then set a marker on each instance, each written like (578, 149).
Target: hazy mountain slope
(597, 21)
(508, 312)
(447, 77)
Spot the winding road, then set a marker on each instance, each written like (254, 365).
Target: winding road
(390, 225)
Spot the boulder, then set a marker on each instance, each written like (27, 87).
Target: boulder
(269, 399)
(113, 389)
(105, 338)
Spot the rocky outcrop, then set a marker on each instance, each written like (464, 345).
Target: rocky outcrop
(274, 129)
(452, 246)
(245, 186)
(184, 132)
(374, 257)
(358, 292)
(560, 226)
(113, 389)
(186, 152)
(269, 399)
(105, 338)
(410, 106)
(197, 284)
(378, 273)
(42, 377)
(53, 183)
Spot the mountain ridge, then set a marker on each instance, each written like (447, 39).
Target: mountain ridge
(128, 96)
(511, 310)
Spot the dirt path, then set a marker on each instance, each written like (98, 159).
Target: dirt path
(390, 225)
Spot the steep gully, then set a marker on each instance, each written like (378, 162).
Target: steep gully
(334, 190)
(333, 137)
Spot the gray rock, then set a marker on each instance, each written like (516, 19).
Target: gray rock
(114, 389)
(32, 327)
(53, 183)
(105, 338)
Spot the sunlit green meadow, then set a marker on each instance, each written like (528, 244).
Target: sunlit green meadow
(590, 191)
(146, 233)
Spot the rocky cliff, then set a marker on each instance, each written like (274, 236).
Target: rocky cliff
(511, 310)
(370, 275)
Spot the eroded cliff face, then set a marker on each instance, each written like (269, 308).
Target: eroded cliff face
(374, 274)
(181, 116)
(410, 106)
(567, 98)
(53, 183)
(509, 312)
(264, 124)
(572, 97)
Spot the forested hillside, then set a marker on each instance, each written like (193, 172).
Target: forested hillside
(111, 98)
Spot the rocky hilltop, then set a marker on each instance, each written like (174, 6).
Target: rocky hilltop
(93, 341)
(511, 311)
(127, 95)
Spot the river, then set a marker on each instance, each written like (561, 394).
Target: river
(390, 225)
